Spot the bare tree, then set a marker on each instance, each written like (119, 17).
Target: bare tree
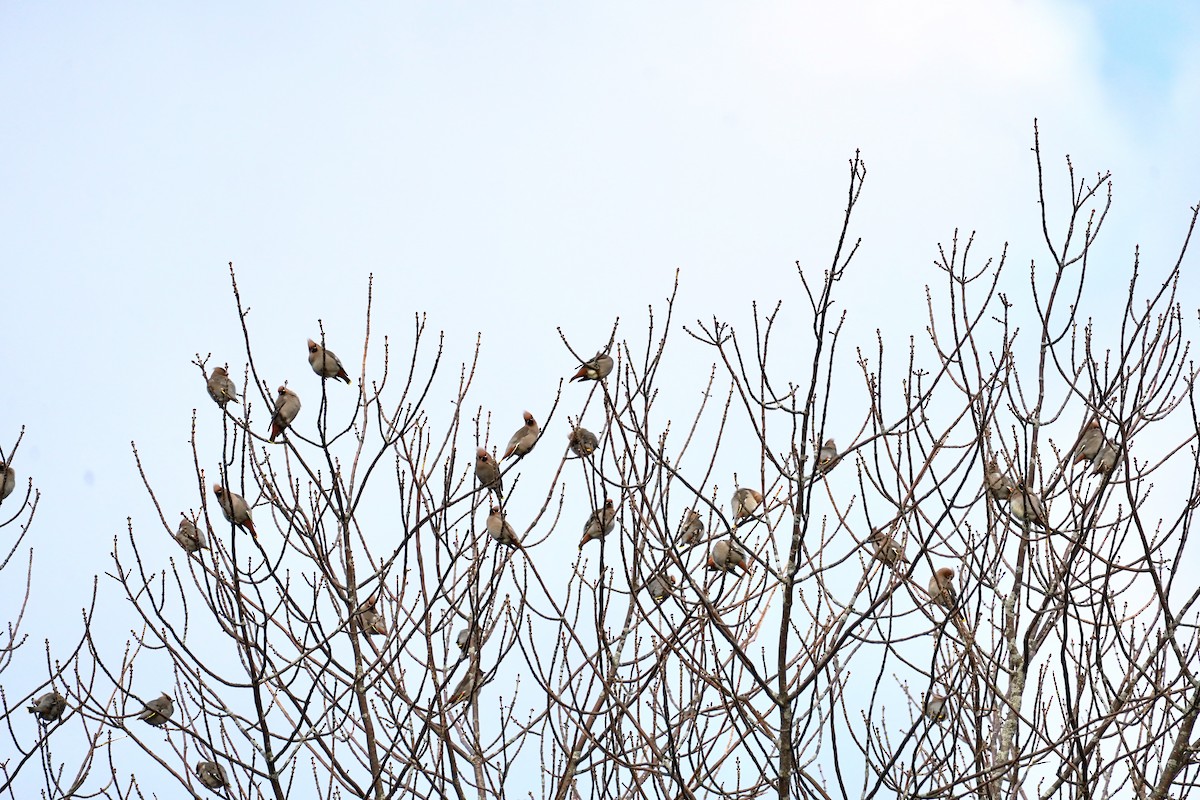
(973, 589)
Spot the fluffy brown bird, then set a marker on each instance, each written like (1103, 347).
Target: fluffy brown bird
(158, 711)
(596, 369)
(660, 587)
(487, 471)
(1105, 460)
(582, 442)
(935, 707)
(524, 439)
(941, 588)
(466, 685)
(691, 529)
(1090, 442)
(1026, 506)
(234, 507)
(325, 363)
(726, 556)
(370, 621)
(464, 639)
(998, 485)
(744, 503)
(886, 548)
(287, 406)
(221, 388)
(599, 524)
(827, 458)
(189, 537)
(211, 774)
(8, 480)
(500, 530)
(49, 707)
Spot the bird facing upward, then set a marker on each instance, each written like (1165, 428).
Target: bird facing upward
(524, 439)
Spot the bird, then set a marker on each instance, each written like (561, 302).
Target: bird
(466, 686)
(827, 458)
(1090, 442)
(598, 368)
(524, 439)
(935, 707)
(234, 507)
(325, 363)
(886, 548)
(49, 707)
(211, 774)
(8, 480)
(500, 530)
(998, 485)
(744, 503)
(1026, 506)
(1105, 460)
(190, 538)
(726, 556)
(487, 471)
(287, 406)
(463, 639)
(221, 388)
(582, 442)
(370, 621)
(599, 524)
(941, 588)
(691, 529)
(660, 586)
(158, 711)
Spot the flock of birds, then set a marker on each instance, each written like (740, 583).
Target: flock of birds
(725, 555)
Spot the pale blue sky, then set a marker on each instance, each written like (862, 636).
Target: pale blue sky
(509, 168)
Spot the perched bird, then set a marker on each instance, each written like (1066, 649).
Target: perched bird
(235, 509)
(158, 711)
(941, 588)
(221, 388)
(325, 363)
(524, 439)
(500, 530)
(582, 442)
(287, 406)
(886, 548)
(190, 538)
(1090, 442)
(691, 529)
(8, 480)
(998, 485)
(596, 369)
(487, 472)
(464, 639)
(726, 556)
(744, 503)
(1026, 506)
(935, 707)
(827, 458)
(1105, 460)
(49, 707)
(660, 586)
(599, 524)
(369, 620)
(466, 686)
(211, 774)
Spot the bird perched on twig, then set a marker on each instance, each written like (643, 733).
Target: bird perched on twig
(691, 529)
(726, 556)
(524, 439)
(596, 369)
(942, 589)
(886, 548)
(325, 363)
(827, 458)
(1090, 442)
(466, 685)
(221, 388)
(500, 530)
(582, 442)
(189, 537)
(998, 485)
(8, 480)
(744, 503)
(49, 707)
(600, 523)
(1105, 460)
(1026, 506)
(370, 621)
(463, 639)
(935, 707)
(234, 507)
(487, 472)
(287, 406)
(660, 586)
(158, 710)
(211, 774)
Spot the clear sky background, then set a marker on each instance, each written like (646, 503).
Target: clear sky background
(509, 169)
